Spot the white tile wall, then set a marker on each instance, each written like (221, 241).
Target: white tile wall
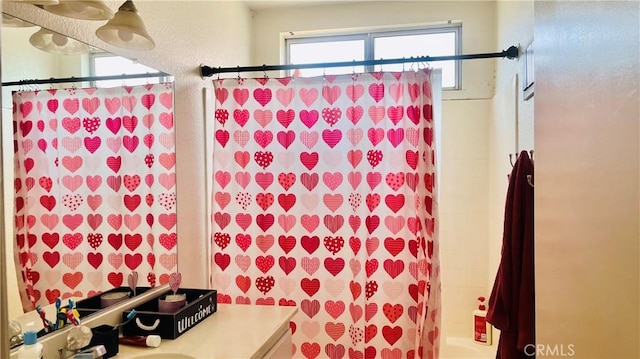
(463, 212)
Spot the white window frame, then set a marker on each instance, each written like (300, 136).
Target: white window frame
(92, 67)
(369, 36)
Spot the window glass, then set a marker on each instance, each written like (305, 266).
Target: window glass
(375, 45)
(435, 44)
(117, 65)
(327, 51)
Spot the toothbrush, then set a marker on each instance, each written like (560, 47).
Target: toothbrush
(72, 318)
(48, 326)
(58, 305)
(130, 316)
(61, 318)
(72, 306)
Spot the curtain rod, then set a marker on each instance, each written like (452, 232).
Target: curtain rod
(207, 71)
(83, 79)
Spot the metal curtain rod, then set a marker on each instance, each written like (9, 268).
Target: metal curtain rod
(83, 79)
(207, 71)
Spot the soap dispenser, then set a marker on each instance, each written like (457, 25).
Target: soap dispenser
(481, 328)
(30, 349)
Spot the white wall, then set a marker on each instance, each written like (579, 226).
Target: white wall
(466, 115)
(511, 126)
(587, 195)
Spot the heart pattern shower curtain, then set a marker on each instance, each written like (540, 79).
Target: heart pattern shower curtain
(94, 189)
(324, 199)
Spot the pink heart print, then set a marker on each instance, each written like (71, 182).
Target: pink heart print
(356, 334)
(174, 281)
(334, 244)
(264, 284)
(131, 182)
(94, 239)
(148, 160)
(371, 288)
(91, 124)
(222, 116)
(263, 159)
(354, 200)
(72, 201)
(286, 180)
(72, 125)
(132, 280)
(331, 115)
(372, 200)
(243, 199)
(46, 183)
(374, 157)
(222, 239)
(264, 200)
(167, 200)
(395, 180)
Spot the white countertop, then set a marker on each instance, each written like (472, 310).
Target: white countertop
(232, 332)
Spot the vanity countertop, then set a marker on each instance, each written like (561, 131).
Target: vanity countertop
(233, 331)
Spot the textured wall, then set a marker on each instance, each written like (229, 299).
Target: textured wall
(587, 133)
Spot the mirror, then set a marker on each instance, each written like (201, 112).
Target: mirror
(130, 229)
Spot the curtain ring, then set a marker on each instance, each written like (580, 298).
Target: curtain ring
(264, 71)
(240, 80)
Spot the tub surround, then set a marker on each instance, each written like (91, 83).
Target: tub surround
(234, 331)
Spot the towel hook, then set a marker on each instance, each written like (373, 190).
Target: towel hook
(530, 180)
(511, 159)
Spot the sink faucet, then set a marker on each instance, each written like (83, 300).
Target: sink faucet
(94, 352)
(15, 334)
(78, 338)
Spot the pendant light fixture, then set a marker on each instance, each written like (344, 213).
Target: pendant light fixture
(79, 9)
(126, 29)
(10, 21)
(49, 41)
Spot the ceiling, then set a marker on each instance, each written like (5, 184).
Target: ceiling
(268, 4)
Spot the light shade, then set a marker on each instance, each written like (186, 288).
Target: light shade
(10, 21)
(55, 43)
(126, 30)
(84, 10)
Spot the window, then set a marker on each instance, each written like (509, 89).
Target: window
(105, 64)
(431, 41)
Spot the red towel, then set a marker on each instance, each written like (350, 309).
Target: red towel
(512, 301)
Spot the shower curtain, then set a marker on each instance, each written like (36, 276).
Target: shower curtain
(94, 190)
(324, 199)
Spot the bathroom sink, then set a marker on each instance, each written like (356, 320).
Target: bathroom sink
(165, 356)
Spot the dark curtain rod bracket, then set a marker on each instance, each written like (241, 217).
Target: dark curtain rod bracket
(511, 53)
(83, 79)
